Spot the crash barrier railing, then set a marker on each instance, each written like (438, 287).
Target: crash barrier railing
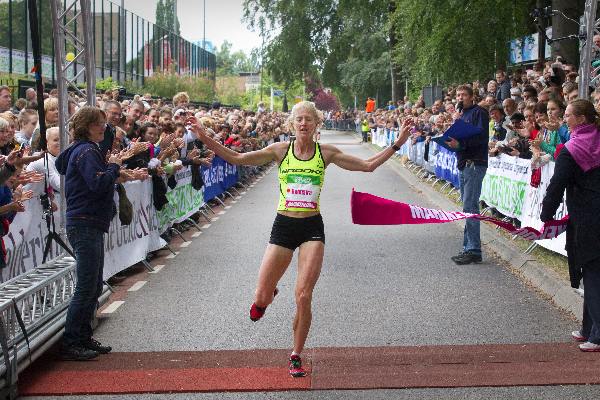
(340, 124)
(34, 297)
(507, 188)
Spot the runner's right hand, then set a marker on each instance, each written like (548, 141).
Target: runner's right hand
(196, 127)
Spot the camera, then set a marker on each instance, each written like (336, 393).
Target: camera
(45, 200)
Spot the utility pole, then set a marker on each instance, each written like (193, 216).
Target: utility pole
(541, 31)
(392, 43)
(123, 40)
(262, 56)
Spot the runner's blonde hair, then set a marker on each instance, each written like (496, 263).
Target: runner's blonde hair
(305, 105)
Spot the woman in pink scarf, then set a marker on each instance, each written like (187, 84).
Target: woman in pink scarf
(577, 171)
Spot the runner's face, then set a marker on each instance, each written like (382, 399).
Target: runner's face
(304, 123)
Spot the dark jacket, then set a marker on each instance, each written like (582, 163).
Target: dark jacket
(503, 91)
(89, 185)
(474, 148)
(583, 204)
(107, 144)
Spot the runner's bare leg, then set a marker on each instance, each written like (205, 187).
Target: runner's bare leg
(310, 261)
(273, 266)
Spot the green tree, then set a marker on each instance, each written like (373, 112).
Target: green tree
(359, 61)
(232, 63)
(356, 46)
(300, 48)
(164, 16)
(160, 13)
(456, 40)
(314, 38)
(369, 73)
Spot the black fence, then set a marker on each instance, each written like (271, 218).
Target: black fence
(127, 47)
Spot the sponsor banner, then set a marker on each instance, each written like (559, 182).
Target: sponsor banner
(18, 63)
(219, 177)
(505, 184)
(123, 245)
(446, 165)
(368, 209)
(533, 207)
(184, 200)
(127, 245)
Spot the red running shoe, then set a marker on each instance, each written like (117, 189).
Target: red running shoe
(296, 369)
(257, 312)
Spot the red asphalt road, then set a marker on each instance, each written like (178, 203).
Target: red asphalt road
(330, 368)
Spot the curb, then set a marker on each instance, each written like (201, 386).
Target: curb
(524, 266)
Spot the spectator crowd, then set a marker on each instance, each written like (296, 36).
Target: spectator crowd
(526, 110)
(147, 136)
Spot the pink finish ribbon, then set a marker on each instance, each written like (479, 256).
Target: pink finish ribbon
(368, 209)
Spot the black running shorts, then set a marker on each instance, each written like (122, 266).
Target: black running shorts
(292, 232)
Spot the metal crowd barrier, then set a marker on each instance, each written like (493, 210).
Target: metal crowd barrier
(33, 309)
(340, 124)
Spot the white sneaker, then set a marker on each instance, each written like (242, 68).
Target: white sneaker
(578, 337)
(589, 347)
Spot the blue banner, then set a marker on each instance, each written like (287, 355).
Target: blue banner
(445, 166)
(219, 177)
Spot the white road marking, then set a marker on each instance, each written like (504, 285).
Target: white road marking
(206, 226)
(185, 244)
(244, 192)
(222, 212)
(137, 286)
(113, 307)
(196, 234)
(228, 207)
(172, 255)
(215, 218)
(235, 201)
(157, 269)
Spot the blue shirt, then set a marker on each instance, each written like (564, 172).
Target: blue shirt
(474, 148)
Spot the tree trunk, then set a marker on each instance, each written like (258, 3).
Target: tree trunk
(285, 101)
(561, 27)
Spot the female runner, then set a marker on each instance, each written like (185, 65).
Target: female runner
(298, 223)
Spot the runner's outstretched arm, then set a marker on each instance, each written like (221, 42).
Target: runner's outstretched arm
(352, 163)
(258, 157)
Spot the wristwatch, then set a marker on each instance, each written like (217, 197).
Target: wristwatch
(395, 147)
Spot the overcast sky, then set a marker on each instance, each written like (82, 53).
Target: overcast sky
(223, 21)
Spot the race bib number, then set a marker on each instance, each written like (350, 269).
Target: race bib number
(302, 191)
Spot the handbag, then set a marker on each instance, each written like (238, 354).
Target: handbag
(125, 206)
